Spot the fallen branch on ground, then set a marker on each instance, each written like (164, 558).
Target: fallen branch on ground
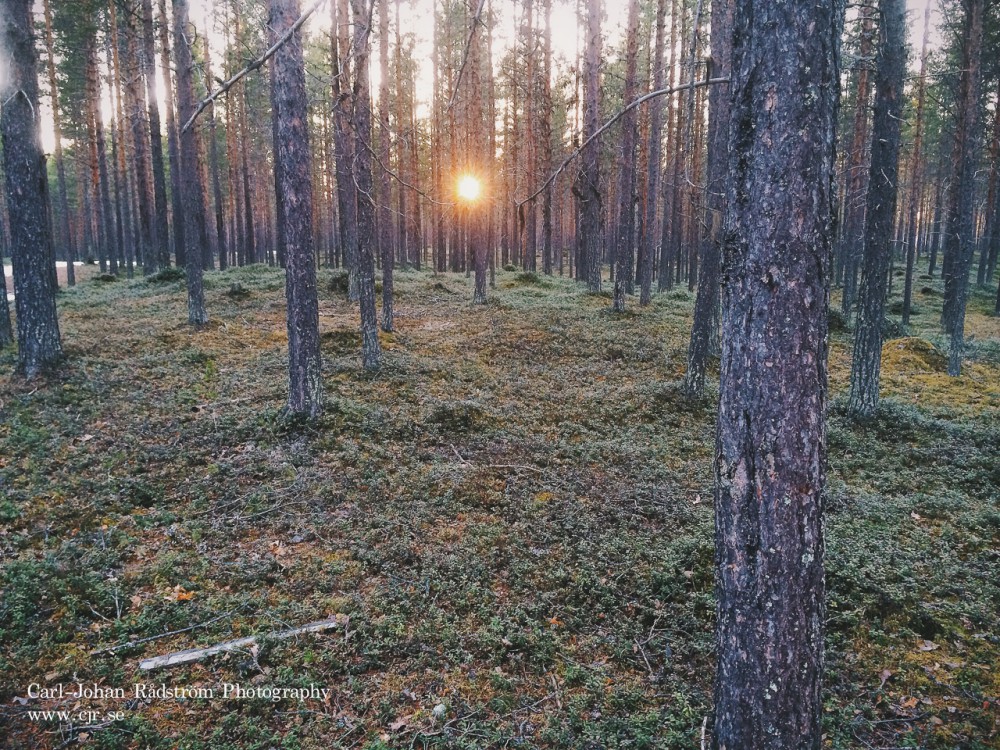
(196, 654)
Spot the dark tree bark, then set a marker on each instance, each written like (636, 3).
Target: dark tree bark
(109, 247)
(625, 237)
(588, 181)
(161, 237)
(706, 306)
(195, 240)
(291, 150)
(959, 239)
(880, 212)
(39, 343)
(916, 175)
(647, 242)
(770, 450)
(173, 152)
(990, 241)
(852, 238)
(384, 217)
(213, 150)
(371, 350)
(545, 133)
(347, 196)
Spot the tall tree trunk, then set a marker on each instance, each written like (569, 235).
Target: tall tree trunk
(706, 307)
(109, 247)
(384, 217)
(990, 240)
(624, 239)
(140, 148)
(666, 277)
(916, 161)
(125, 209)
(347, 196)
(161, 237)
(881, 210)
(959, 240)
(588, 181)
(647, 240)
(545, 132)
(854, 213)
(194, 224)
(39, 343)
(66, 238)
(371, 350)
(173, 154)
(770, 449)
(291, 150)
(213, 150)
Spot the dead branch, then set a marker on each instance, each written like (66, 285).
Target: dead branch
(196, 654)
(225, 86)
(621, 113)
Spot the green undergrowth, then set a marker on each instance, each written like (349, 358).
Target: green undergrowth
(512, 520)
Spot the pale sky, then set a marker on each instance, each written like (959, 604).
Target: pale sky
(416, 17)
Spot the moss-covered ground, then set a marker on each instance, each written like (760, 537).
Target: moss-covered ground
(513, 520)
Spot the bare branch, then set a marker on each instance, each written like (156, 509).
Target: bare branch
(600, 131)
(252, 66)
(465, 56)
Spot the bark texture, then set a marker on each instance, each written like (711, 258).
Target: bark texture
(880, 212)
(770, 449)
(39, 344)
(291, 148)
(959, 245)
(194, 221)
(588, 182)
(371, 350)
(706, 306)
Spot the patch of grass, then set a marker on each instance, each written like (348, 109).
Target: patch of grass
(515, 513)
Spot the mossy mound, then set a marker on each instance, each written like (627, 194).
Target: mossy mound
(912, 355)
(457, 416)
(341, 342)
(166, 275)
(339, 282)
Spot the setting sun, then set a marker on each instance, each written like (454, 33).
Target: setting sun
(469, 188)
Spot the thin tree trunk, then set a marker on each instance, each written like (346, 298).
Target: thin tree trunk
(66, 239)
(706, 307)
(384, 217)
(176, 202)
(881, 209)
(916, 185)
(854, 214)
(588, 182)
(194, 228)
(647, 249)
(347, 197)
(959, 244)
(624, 239)
(371, 350)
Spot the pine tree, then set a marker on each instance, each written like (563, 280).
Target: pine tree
(25, 184)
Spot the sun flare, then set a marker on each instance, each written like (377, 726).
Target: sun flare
(469, 188)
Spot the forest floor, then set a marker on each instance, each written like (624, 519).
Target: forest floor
(512, 520)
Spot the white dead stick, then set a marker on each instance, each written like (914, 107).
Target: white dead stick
(195, 654)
